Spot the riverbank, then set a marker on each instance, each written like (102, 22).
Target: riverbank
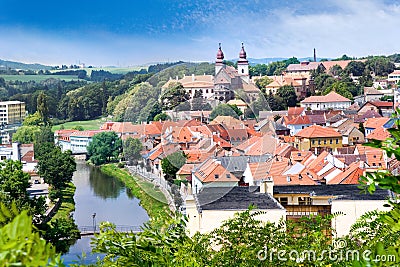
(151, 198)
(67, 203)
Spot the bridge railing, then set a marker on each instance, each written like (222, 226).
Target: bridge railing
(91, 229)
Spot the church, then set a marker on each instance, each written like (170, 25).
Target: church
(225, 84)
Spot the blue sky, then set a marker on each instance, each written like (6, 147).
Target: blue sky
(126, 33)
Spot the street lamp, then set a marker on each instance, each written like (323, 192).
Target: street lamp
(94, 222)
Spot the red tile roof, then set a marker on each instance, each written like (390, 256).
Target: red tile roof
(331, 97)
(375, 122)
(300, 120)
(317, 131)
(379, 134)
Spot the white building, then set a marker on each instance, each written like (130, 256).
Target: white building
(330, 101)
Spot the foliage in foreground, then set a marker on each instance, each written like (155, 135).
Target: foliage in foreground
(21, 246)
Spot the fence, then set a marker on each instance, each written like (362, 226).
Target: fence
(158, 181)
(92, 229)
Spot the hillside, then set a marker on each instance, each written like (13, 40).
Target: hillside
(5, 64)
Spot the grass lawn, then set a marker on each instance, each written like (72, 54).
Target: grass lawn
(38, 78)
(87, 125)
(151, 198)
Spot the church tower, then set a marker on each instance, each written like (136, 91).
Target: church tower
(219, 63)
(243, 65)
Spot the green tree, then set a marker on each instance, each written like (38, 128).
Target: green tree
(275, 102)
(132, 148)
(263, 82)
(42, 108)
(62, 233)
(57, 168)
(236, 109)
(174, 96)
(162, 116)
(341, 88)
(223, 110)
(104, 147)
(288, 95)
(172, 163)
(32, 120)
(26, 134)
(20, 245)
(199, 103)
(356, 68)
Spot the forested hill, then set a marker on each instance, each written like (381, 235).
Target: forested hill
(4, 64)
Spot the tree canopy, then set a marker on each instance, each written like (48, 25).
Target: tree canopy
(223, 110)
(104, 147)
(172, 163)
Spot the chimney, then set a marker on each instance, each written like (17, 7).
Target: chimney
(315, 56)
(177, 78)
(267, 186)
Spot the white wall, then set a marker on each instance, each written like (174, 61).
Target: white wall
(211, 219)
(352, 209)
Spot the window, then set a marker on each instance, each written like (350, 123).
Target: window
(228, 175)
(325, 142)
(330, 141)
(319, 142)
(313, 142)
(216, 176)
(373, 164)
(242, 70)
(3, 158)
(283, 200)
(337, 141)
(304, 201)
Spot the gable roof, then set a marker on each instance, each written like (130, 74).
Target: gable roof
(350, 176)
(331, 97)
(317, 131)
(212, 171)
(303, 66)
(300, 120)
(379, 133)
(235, 198)
(375, 123)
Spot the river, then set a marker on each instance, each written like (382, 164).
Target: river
(107, 198)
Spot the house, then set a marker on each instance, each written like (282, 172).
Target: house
(208, 209)
(328, 65)
(330, 101)
(352, 136)
(380, 134)
(306, 200)
(371, 124)
(242, 106)
(81, 139)
(376, 158)
(317, 138)
(300, 83)
(394, 77)
(211, 173)
(297, 124)
(385, 108)
(194, 84)
(372, 94)
(304, 68)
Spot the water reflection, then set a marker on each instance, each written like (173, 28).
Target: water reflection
(108, 198)
(104, 186)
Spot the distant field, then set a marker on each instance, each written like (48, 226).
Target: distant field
(110, 69)
(38, 78)
(87, 125)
